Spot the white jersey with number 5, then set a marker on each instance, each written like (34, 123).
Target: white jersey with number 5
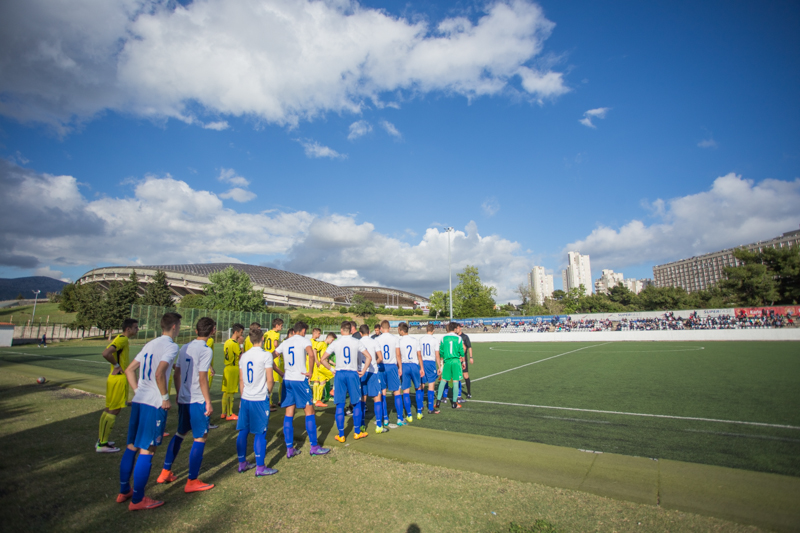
(154, 352)
(346, 350)
(387, 344)
(428, 345)
(294, 357)
(409, 348)
(253, 366)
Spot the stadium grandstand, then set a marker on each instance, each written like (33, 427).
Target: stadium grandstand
(279, 286)
(383, 296)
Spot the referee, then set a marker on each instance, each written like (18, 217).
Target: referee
(467, 358)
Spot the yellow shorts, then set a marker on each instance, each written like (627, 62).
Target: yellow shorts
(321, 374)
(230, 379)
(116, 391)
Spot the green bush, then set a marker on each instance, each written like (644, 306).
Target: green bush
(343, 310)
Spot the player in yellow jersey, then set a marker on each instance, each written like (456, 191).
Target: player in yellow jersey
(321, 375)
(230, 376)
(247, 343)
(211, 372)
(116, 384)
(271, 341)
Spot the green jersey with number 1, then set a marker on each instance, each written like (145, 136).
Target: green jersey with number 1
(451, 347)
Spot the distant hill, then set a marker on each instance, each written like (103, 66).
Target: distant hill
(11, 287)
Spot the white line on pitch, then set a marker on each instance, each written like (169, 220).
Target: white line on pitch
(618, 351)
(540, 361)
(745, 435)
(761, 424)
(54, 357)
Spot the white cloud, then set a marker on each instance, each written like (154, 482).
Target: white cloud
(359, 129)
(490, 206)
(315, 150)
(218, 126)
(47, 272)
(238, 195)
(707, 143)
(167, 221)
(280, 61)
(390, 129)
(732, 212)
(600, 112)
(228, 175)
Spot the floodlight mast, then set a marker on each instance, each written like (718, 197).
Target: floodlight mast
(450, 271)
(35, 298)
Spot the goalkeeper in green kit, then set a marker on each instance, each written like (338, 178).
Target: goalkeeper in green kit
(451, 350)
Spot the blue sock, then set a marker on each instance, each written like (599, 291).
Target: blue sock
(141, 473)
(172, 451)
(459, 389)
(363, 409)
(431, 398)
(385, 408)
(398, 406)
(125, 470)
(379, 413)
(241, 445)
(420, 400)
(407, 402)
(196, 459)
(288, 431)
(358, 416)
(260, 447)
(311, 429)
(340, 418)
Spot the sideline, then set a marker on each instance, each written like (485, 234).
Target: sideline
(539, 361)
(697, 419)
(618, 351)
(4, 352)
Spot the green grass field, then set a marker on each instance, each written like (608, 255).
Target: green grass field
(21, 315)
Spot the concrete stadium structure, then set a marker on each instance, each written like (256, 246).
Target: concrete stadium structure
(390, 297)
(279, 286)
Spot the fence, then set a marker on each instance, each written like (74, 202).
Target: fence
(149, 317)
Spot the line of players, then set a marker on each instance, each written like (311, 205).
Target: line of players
(367, 367)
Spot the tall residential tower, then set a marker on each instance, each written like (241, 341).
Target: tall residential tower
(577, 273)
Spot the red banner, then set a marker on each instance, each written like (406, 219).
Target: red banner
(785, 310)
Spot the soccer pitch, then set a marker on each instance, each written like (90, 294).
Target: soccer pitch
(729, 404)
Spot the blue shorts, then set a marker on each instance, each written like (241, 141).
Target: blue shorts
(297, 393)
(392, 379)
(253, 416)
(146, 427)
(411, 374)
(431, 372)
(192, 416)
(371, 384)
(346, 382)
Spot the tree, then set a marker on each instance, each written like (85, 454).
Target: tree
(764, 278)
(440, 304)
(785, 264)
(69, 301)
(752, 284)
(622, 295)
(362, 307)
(663, 298)
(193, 301)
(343, 310)
(571, 299)
(157, 291)
(558, 295)
(529, 299)
(232, 290)
(474, 299)
(89, 303)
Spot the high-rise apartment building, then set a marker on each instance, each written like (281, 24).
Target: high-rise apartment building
(610, 279)
(704, 271)
(577, 273)
(540, 283)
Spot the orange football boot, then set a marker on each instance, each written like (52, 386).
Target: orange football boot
(195, 485)
(166, 476)
(122, 498)
(146, 503)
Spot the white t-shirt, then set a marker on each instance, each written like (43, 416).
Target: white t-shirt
(154, 352)
(428, 346)
(193, 358)
(387, 344)
(346, 349)
(294, 357)
(370, 346)
(409, 348)
(253, 366)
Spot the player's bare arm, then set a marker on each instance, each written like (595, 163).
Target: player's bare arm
(312, 359)
(110, 355)
(206, 394)
(130, 374)
(161, 381)
(325, 362)
(421, 365)
(367, 361)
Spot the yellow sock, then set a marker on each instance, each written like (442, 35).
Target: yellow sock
(315, 388)
(225, 403)
(107, 421)
(230, 404)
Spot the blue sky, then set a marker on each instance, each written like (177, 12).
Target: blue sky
(339, 146)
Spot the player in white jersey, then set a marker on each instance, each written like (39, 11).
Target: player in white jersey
(298, 358)
(148, 412)
(255, 382)
(392, 372)
(371, 381)
(429, 345)
(194, 405)
(347, 377)
(413, 370)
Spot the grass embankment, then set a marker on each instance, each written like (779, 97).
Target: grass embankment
(20, 315)
(53, 480)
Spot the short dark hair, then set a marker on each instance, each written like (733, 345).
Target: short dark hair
(377, 325)
(364, 329)
(277, 322)
(205, 326)
(346, 326)
(237, 327)
(452, 326)
(429, 328)
(290, 332)
(331, 334)
(256, 335)
(384, 324)
(169, 320)
(255, 324)
(402, 327)
(316, 329)
(300, 326)
(129, 323)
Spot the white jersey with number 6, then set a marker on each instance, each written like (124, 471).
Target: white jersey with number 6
(346, 350)
(253, 366)
(294, 357)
